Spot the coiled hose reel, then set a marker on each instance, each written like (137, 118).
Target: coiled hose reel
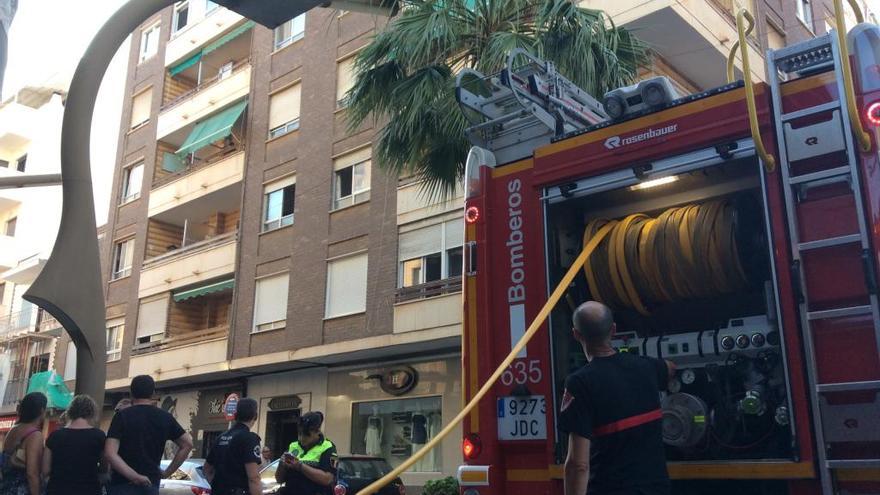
(686, 252)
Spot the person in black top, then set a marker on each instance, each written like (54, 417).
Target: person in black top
(136, 440)
(309, 466)
(611, 412)
(74, 454)
(233, 466)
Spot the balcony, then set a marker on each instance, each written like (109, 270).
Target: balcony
(211, 181)
(181, 357)
(693, 36)
(199, 33)
(427, 306)
(191, 264)
(200, 100)
(14, 324)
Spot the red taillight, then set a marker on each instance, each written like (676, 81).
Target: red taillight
(200, 491)
(340, 490)
(471, 214)
(873, 113)
(471, 446)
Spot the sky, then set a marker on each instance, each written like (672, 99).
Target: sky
(46, 41)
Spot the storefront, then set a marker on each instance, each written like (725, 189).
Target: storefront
(391, 410)
(283, 398)
(200, 412)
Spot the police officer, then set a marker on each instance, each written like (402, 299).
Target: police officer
(233, 465)
(309, 468)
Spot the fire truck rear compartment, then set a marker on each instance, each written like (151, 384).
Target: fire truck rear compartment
(686, 270)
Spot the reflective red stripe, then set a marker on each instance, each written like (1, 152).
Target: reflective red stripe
(627, 423)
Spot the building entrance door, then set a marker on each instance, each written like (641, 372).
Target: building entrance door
(281, 430)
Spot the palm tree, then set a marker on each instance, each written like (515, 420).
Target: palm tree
(405, 77)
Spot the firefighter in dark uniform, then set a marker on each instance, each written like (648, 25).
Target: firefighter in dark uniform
(233, 465)
(309, 467)
(611, 412)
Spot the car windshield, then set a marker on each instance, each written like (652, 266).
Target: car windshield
(363, 468)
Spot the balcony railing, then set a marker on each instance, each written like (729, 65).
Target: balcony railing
(192, 248)
(422, 291)
(207, 83)
(192, 337)
(199, 164)
(15, 390)
(20, 321)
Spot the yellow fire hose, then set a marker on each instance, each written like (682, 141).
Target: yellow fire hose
(532, 330)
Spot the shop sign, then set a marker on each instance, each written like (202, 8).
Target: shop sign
(399, 380)
(285, 402)
(7, 422)
(230, 406)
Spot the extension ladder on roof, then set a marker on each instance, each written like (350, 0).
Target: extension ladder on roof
(523, 107)
(832, 261)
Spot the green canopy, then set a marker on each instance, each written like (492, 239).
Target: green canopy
(218, 126)
(172, 163)
(195, 58)
(186, 64)
(203, 290)
(51, 385)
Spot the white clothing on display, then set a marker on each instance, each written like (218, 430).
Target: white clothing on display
(373, 437)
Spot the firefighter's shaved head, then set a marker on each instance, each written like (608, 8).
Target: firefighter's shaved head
(594, 321)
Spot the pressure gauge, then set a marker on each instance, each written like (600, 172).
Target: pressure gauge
(742, 341)
(674, 386)
(688, 376)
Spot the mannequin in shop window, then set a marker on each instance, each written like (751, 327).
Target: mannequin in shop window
(373, 437)
(419, 435)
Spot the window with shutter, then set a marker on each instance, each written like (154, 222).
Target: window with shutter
(344, 81)
(346, 286)
(284, 111)
(351, 184)
(140, 108)
(152, 319)
(278, 200)
(270, 302)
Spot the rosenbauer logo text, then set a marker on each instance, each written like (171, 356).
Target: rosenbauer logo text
(615, 142)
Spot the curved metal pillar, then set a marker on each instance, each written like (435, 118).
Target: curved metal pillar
(70, 286)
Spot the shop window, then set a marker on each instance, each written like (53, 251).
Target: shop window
(351, 184)
(430, 253)
(397, 428)
(290, 31)
(278, 201)
(270, 303)
(284, 111)
(346, 286)
(123, 255)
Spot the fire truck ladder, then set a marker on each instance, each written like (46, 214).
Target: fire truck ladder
(800, 144)
(523, 107)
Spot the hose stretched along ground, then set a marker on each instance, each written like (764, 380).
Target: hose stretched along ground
(686, 252)
(530, 332)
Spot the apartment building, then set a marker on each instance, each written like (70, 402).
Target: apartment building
(251, 248)
(690, 40)
(30, 129)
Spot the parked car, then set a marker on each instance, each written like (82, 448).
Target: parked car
(354, 472)
(189, 479)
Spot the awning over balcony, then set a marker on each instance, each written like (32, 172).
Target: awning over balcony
(210, 47)
(204, 290)
(51, 384)
(216, 127)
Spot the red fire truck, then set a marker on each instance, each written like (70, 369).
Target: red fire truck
(746, 254)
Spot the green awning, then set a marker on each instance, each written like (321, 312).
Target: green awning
(186, 64)
(218, 126)
(194, 59)
(51, 385)
(204, 290)
(172, 163)
(231, 35)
